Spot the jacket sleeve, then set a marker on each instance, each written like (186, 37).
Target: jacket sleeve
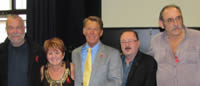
(151, 75)
(115, 70)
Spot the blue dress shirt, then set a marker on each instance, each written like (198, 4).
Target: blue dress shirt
(126, 70)
(84, 52)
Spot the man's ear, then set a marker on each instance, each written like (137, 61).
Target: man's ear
(101, 33)
(139, 43)
(83, 31)
(161, 23)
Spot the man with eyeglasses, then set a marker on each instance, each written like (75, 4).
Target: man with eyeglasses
(177, 50)
(139, 69)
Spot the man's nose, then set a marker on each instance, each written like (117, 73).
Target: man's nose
(126, 43)
(92, 31)
(175, 22)
(15, 30)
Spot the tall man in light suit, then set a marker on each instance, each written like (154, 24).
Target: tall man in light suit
(106, 67)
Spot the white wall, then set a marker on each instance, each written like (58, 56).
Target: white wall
(3, 33)
(145, 13)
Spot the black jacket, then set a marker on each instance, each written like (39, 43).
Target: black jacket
(143, 71)
(36, 59)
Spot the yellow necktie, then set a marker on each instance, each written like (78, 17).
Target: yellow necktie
(88, 68)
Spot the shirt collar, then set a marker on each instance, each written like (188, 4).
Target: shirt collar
(124, 61)
(95, 47)
(165, 35)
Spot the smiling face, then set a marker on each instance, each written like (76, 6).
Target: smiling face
(15, 30)
(55, 56)
(129, 44)
(172, 21)
(55, 50)
(92, 32)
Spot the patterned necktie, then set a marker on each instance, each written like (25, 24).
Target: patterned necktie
(88, 68)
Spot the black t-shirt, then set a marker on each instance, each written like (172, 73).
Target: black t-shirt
(18, 65)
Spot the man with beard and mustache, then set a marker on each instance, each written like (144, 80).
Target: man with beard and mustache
(177, 50)
(20, 59)
(139, 69)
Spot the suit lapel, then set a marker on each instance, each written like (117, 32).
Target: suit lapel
(79, 60)
(134, 66)
(97, 62)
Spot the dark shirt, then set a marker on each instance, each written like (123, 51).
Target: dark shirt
(67, 81)
(18, 65)
(126, 69)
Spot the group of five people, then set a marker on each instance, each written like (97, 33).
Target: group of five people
(173, 60)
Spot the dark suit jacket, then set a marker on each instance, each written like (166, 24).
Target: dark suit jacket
(143, 71)
(36, 59)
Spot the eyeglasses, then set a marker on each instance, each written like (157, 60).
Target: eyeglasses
(128, 41)
(172, 20)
